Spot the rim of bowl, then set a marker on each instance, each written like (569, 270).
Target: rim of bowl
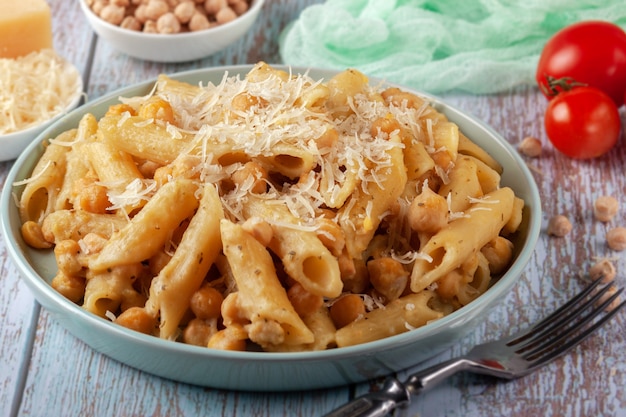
(497, 289)
(254, 8)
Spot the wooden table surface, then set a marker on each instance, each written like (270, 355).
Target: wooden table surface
(45, 371)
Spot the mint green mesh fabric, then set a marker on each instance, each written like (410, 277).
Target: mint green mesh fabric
(476, 46)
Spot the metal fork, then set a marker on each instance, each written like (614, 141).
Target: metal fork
(509, 358)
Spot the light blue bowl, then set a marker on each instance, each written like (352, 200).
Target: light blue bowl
(260, 371)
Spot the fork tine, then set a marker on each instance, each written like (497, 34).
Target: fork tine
(546, 322)
(547, 342)
(562, 349)
(557, 326)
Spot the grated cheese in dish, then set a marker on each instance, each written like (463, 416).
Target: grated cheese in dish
(35, 88)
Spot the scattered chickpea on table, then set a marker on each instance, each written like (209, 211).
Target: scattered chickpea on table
(168, 16)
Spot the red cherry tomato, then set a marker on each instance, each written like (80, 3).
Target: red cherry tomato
(590, 52)
(582, 123)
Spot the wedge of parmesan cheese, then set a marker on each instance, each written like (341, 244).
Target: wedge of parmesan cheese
(25, 27)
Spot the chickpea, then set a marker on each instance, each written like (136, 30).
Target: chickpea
(206, 303)
(66, 252)
(138, 319)
(141, 14)
(240, 7)
(120, 3)
(616, 238)
(605, 208)
(530, 146)
(386, 125)
(33, 235)
(559, 226)
(92, 198)
(131, 23)
(225, 15)
(388, 277)
(113, 14)
(150, 26)
(230, 338)
(98, 5)
(71, 287)
(428, 212)
(156, 9)
(304, 302)
(213, 6)
(198, 332)
(610, 292)
(603, 269)
(253, 176)
(158, 109)
(449, 285)
(347, 309)
(168, 23)
(198, 22)
(185, 11)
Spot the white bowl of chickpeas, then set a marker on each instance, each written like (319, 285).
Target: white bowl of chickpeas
(171, 30)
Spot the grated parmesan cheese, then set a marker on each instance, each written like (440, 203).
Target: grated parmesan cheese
(35, 88)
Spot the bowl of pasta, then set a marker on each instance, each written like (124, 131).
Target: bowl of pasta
(270, 228)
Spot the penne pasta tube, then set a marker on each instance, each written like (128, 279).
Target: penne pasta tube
(77, 169)
(463, 185)
(450, 247)
(361, 215)
(467, 147)
(304, 256)
(261, 298)
(106, 291)
(141, 138)
(399, 316)
(290, 161)
(150, 229)
(323, 328)
(42, 189)
(171, 290)
(113, 167)
(76, 224)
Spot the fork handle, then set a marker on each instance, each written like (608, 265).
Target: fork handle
(397, 394)
(427, 378)
(375, 404)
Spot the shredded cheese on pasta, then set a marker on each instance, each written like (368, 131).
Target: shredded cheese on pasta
(35, 88)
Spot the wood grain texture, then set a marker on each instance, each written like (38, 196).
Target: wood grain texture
(45, 371)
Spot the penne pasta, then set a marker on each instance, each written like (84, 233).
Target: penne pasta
(261, 298)
(149, 230)
(272, 212)
(448, 249)
(171, 290)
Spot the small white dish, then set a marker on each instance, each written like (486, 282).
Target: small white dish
(179, 47)
(12, 144)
